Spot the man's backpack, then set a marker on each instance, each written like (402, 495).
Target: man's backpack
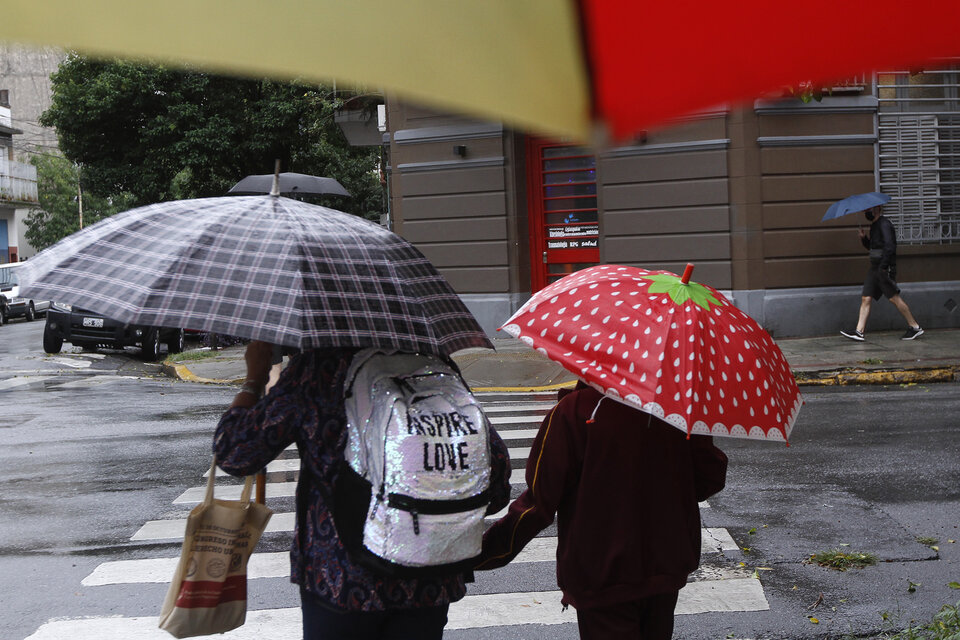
(414, 486)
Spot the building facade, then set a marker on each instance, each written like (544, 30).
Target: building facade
(738, 192)
(18, 191)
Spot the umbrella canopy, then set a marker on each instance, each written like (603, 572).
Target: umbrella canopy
(670, 347)
(288, 184)
(855, 204)
(565, 68)
(261, 267)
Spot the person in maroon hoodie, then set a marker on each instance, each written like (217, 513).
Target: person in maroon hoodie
(624, 486)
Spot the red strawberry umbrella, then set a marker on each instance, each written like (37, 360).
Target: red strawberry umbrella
(667, 346)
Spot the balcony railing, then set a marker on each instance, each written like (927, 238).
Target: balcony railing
(18, 182)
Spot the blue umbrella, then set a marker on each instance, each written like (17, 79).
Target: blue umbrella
(854, 204)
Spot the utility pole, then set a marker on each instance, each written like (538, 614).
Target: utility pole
(80, 202)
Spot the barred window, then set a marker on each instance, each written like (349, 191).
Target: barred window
(919, 152)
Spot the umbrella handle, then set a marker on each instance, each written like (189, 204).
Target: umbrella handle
(261, 487)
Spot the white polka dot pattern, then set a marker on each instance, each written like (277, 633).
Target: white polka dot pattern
(681, 352)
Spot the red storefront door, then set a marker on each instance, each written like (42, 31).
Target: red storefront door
(562, 194)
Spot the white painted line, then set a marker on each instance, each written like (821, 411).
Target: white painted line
(94, 381)
(714, 540)
(735, 594)
(267, 623)
(517, 434)
(503, 609)
(174, 529)
(514, 419)
(519, 394)
(280, 522)
(293, 464)
(13, 383)
(261, 565)
(286, 464)
(75, 364)
(533, 406)
(545, 549)
(519, 453)
(492, 610)
(194, 495)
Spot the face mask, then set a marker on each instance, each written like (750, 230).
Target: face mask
(868, 215)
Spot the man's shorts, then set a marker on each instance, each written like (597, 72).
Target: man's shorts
(880, 282)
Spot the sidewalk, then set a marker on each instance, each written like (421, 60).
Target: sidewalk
(832, 360)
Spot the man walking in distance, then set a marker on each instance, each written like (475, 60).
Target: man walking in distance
(881, 279)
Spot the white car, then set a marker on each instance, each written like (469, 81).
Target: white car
(12, 305)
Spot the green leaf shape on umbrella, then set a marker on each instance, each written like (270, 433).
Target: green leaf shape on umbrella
(680, 292)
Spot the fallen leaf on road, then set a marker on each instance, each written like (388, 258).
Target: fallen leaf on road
(814, 621)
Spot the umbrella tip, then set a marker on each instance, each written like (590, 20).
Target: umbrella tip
(275, 190)
(685, 279)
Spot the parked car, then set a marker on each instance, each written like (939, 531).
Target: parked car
(87, 329)
(12, 305)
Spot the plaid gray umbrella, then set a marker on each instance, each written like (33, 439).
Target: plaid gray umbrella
(261, 267)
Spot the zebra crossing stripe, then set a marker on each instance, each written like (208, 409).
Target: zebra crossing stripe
(514, 408)
(174, 529)
(712, 539)
(287, 465)
(277, 564)
(261, 565)
(479, 611)
(495, 420)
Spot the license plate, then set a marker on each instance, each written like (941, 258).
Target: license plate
(93, 322)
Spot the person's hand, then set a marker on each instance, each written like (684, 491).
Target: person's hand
(259, 359)
(863, 234)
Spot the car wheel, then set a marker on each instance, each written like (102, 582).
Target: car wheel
(52, 343)
(4, 318)
(151, 345)
(31, 313)
(176, 343)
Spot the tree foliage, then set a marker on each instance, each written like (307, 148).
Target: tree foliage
(59, 212)
(160, 133)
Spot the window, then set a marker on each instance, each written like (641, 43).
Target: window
(919, 152)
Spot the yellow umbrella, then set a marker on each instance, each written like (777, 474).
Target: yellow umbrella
(514, 60)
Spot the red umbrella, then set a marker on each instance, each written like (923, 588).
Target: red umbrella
(667, 346)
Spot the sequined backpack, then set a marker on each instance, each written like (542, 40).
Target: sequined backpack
(413, 488)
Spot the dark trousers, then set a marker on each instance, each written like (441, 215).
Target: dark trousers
(320, 622)
(646, 619)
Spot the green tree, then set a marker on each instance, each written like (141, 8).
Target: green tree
(161, 133)
(58, 187)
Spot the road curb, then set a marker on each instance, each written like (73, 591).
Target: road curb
(182, 372)
(845, 377)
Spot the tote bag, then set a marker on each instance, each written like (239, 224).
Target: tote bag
(208, 593)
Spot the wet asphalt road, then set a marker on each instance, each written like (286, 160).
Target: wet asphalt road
(94, 445)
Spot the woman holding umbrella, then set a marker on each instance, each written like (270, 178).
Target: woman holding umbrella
(625, 487)
(340, 598)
